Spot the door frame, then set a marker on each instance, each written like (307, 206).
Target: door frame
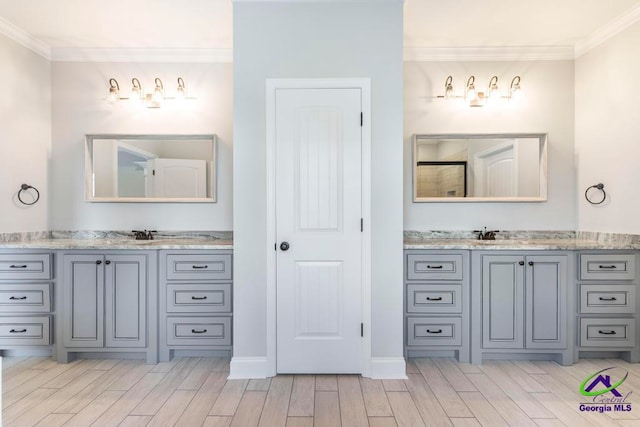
(272, 85)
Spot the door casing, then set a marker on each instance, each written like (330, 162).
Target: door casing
(272, 85)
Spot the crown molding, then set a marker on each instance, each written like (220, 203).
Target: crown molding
(20, 36)
(507, 53)
(141, 55)
(609, 30)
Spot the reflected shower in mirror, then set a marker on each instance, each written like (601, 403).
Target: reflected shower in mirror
(150, 168)
(476, 167)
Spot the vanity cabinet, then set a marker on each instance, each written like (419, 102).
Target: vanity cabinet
(436, 303)
(523, 304)
(195, 303)
(607, 319)
(107, 303)
(26, 282)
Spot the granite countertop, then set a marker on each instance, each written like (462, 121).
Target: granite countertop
(522, 240)
(105, 240)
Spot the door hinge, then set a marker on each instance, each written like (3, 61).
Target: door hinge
(361, 224)
(361, 119)
(154, 172)
(361, 330)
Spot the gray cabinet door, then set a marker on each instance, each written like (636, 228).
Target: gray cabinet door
(546, 293)
(83, 300)
(502, 301)
(125, 302)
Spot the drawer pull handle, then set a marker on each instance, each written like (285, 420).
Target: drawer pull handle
(17, 266)
(17, 331)
(434, 298)
(607, 332)
(435, 267)
(17, 298)
(610, 267)
(198, 298)
(607, 299)
(199, 266)
(439, 331)
(196, 331)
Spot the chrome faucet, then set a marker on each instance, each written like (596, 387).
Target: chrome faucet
(143, 235)
(486, 235)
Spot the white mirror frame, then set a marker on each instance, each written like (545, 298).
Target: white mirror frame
(88, 169)
(542, 137)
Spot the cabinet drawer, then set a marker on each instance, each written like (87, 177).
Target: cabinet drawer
(198, 267)
(607, 299)
(25, 330)
(438, 331)
(194, 297)
(607, 332)
(608, 267)
(25, 298)
(434, 267)
(205, 331)
(436, 298)
(25, 266)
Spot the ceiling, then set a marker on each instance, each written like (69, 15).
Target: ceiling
(207, 24)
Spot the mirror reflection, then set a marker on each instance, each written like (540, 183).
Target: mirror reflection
(151, 168)
(497, 167)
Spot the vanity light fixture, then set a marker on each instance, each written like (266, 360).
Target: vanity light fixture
(114, 91)
(137, 94)
(150, 100)
(475, 98)
(181, 91)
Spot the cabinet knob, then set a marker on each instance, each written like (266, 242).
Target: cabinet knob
(520, 262)
(98, 262)
(530, 262)
(107, 262)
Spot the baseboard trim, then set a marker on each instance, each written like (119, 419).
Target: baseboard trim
(388, 368)
(242, 368)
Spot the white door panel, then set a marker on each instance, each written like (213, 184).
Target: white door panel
(318, 211)
(177, 178)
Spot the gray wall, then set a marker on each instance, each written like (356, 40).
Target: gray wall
(547, 107)
(607, 133)
(25, 142)
(80, 107)
(286, 40)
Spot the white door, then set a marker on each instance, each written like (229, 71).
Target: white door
(318, 214)
(177, 178)
(497, 171)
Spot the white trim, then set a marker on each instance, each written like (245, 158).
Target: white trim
(388, 368)
(20, 36)
(505, 53)
(364, 85)
(608, 30)
(248, 367)
(72, 54)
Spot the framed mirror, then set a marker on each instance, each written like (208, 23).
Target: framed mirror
(150, 168)
(509, 167)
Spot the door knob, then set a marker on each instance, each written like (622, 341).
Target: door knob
(284, 246)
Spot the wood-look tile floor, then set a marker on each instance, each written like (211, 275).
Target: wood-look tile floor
(195, 392)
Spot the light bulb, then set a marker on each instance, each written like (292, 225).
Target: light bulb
(515, 91)
(471, 93)
(494, 94)
(448, 88)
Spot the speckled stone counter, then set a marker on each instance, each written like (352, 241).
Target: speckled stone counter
(521, 240)
(104, 240)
